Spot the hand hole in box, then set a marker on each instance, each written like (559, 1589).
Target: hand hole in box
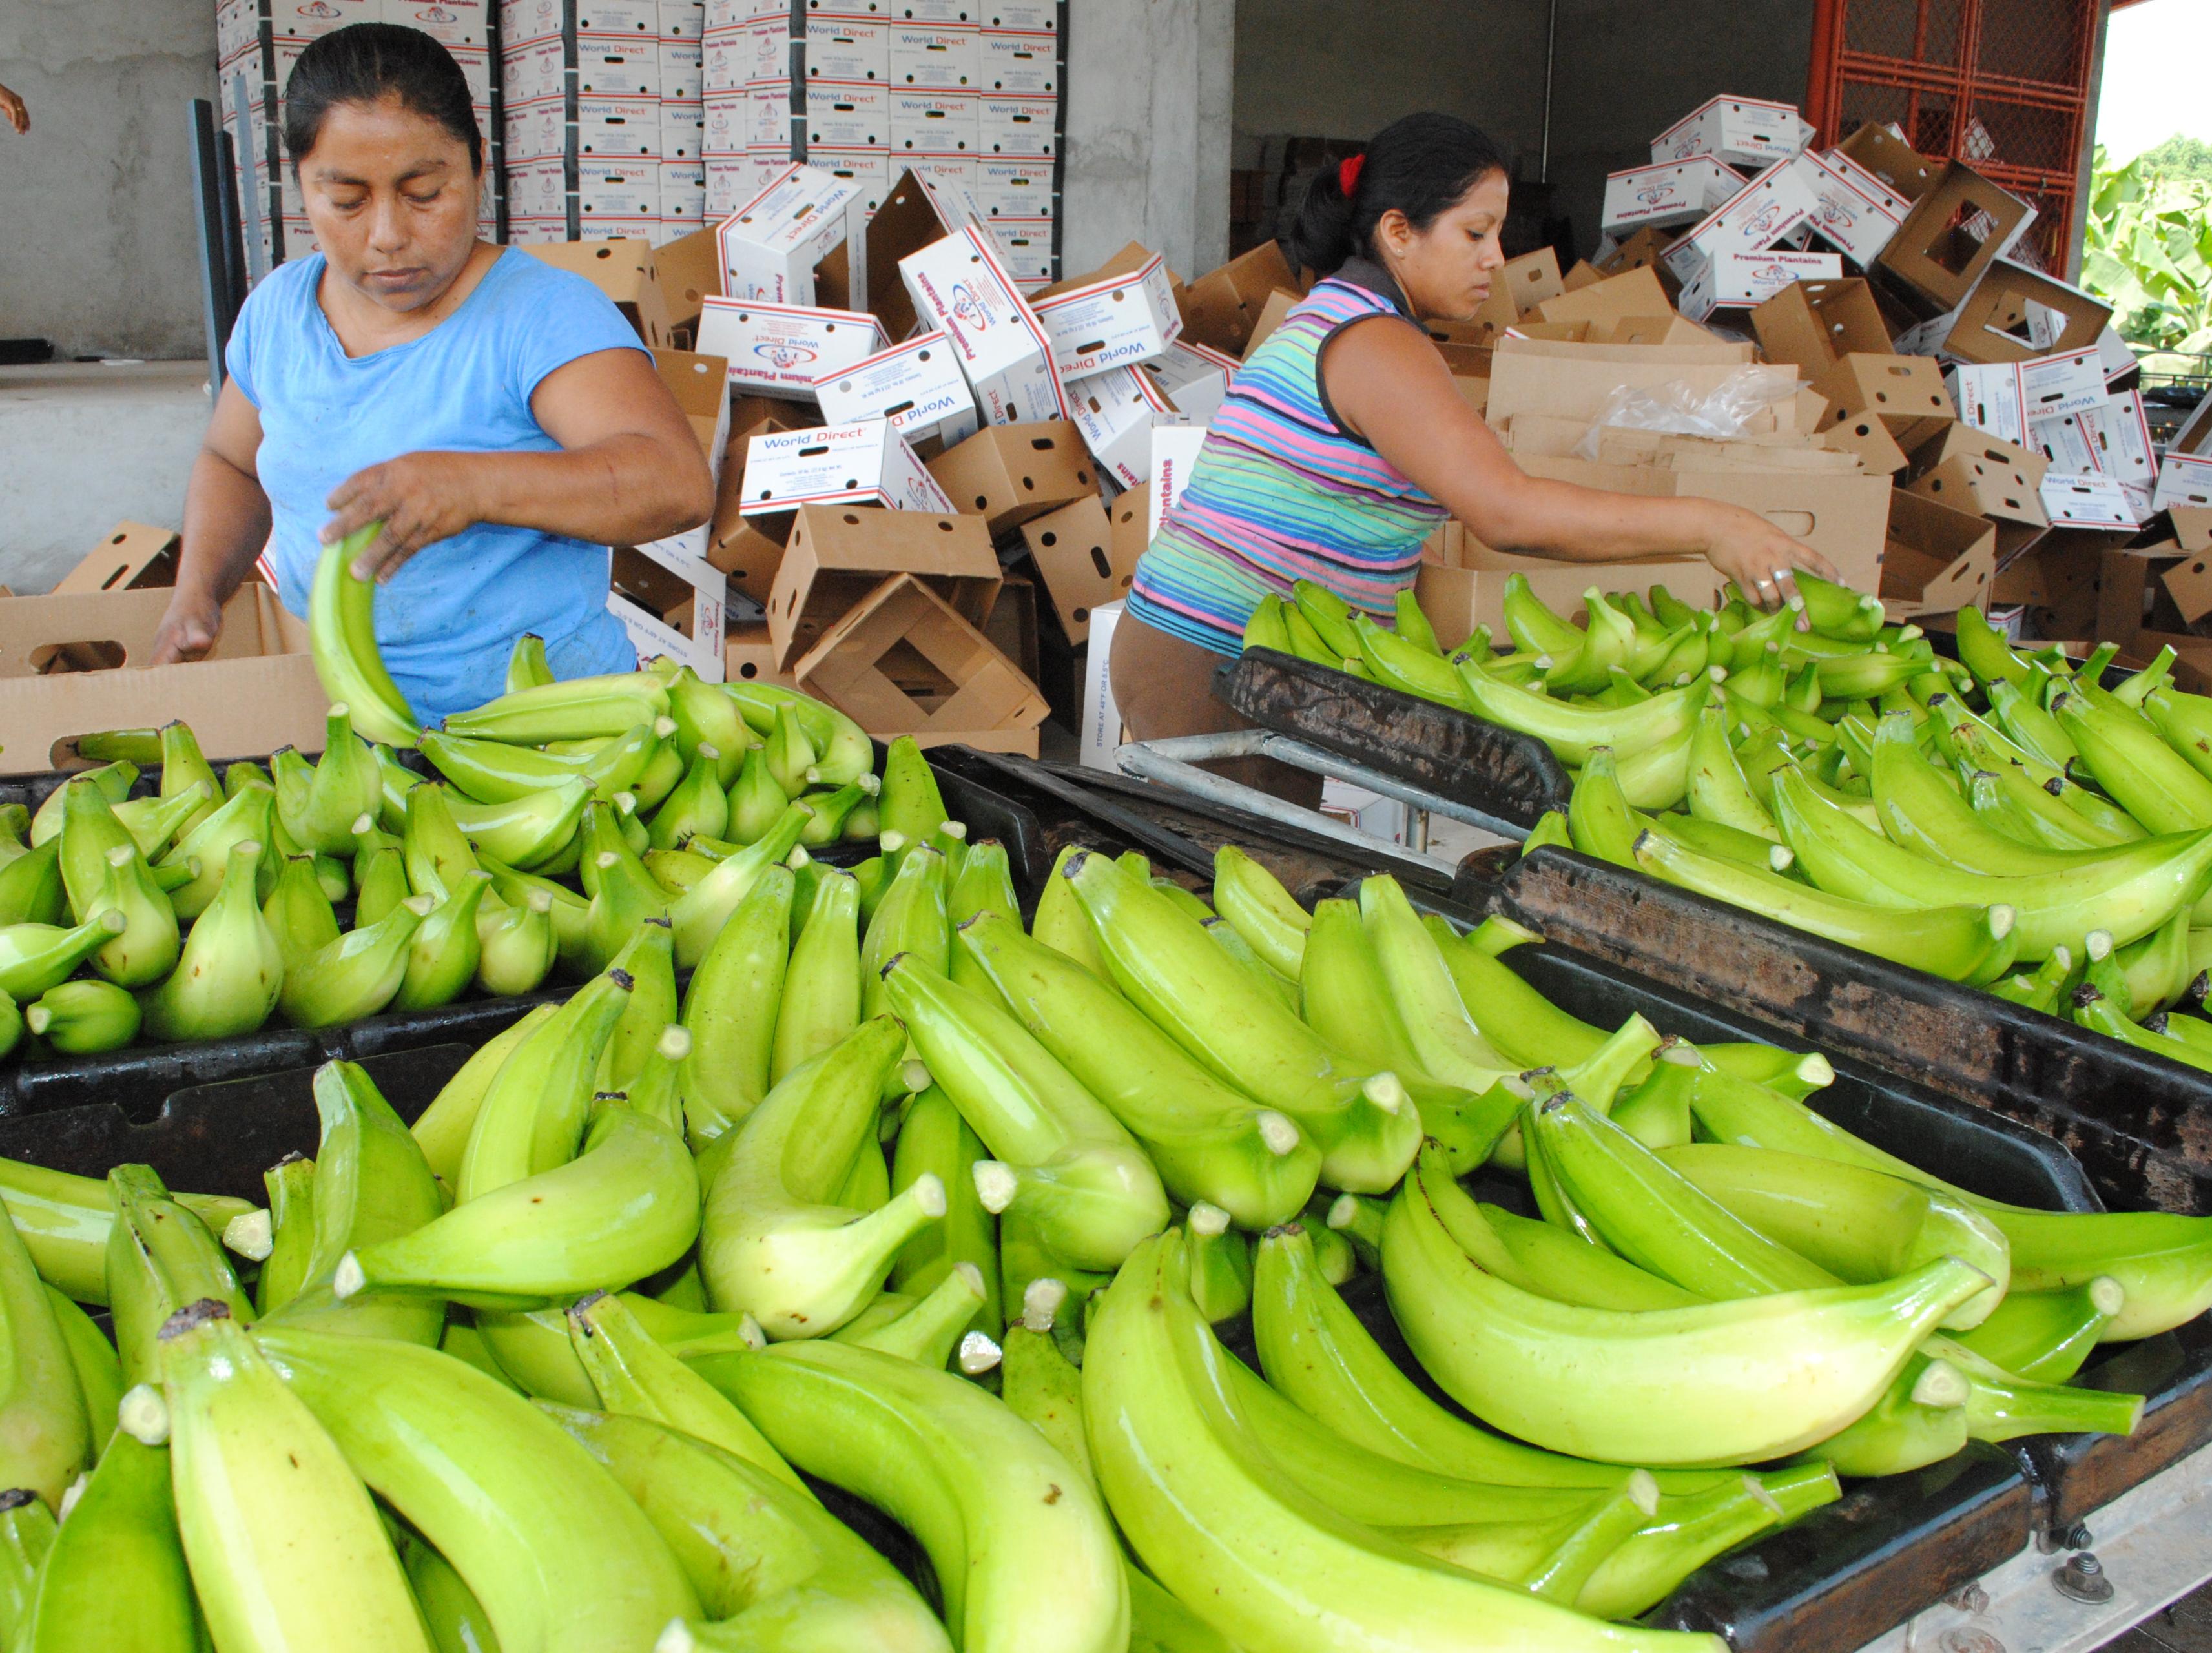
(1029, 484)
(1099, 560)
(1078, 615)
(982, 502)
(1048, 540)
(944, 525)
(103, 655)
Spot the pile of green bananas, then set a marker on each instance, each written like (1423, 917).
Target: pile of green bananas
(904, 1198)
(566, 812)
(1999, 820)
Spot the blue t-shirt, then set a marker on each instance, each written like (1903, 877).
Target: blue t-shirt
(448, 619)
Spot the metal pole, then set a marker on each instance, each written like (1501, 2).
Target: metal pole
(216, 311)
(1551, 58)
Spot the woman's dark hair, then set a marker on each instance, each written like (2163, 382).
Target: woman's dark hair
(364, 62)
(1420, 165)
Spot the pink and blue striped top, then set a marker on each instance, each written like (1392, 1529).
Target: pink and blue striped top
(1281, 492)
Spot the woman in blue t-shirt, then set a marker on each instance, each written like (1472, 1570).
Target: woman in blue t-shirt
(498, 415)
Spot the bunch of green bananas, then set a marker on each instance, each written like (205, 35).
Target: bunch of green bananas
(2004, 821)
(566, 812)
(905, 1197)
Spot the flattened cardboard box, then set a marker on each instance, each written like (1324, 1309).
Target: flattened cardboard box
(1470, 592)
(902, 629)
(134, 556)
(1575, 380)
(256, 692)
(838, 554)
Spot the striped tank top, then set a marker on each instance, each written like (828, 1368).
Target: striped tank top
(1280, 492)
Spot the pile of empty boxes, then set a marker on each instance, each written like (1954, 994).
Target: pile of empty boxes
(930, 481)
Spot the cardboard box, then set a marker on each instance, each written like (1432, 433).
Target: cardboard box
(2189, 583)
(1220, 308)
(1176, 449)
(1964, 441)
(1009, 474)
(1116, 411)
(687, 271)
(1905, 392)
(1760, 216)
(1989, 487)
(1470, 592)
(1273, 314)
(255, 692)
(1857, 215)
(1632, 294)
(1935, 560)
(700, 384)
(1813, 323)
(839, 554)
(133, 557)
(1743, 281)
(2014, 314)
(782, 350)
(1131, 515)
(2119, 439)
(1673, 192)
(1575, 381)
(958, 285)
(2005, 399)
(622, 269)
(1956, 232)
(1075, 555)
(2087, 502)
(1742, 131)
(774, 247)
(1120, 314)
(2184, 478)
(917, 386)
(749, 656)
(1192, 378)
(919, 209)
(864, 463)
(903, 661)
(1101, 729)
(1885, 156)
(747, 550)
(1865, 436)
(670, 604)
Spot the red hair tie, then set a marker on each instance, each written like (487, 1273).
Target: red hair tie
(1347, 174)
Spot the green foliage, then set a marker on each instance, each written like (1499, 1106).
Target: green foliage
(2150, 246)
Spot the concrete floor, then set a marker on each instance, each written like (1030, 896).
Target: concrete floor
(85, 446)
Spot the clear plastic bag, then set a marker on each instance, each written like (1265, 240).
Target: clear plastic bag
(1674, 409)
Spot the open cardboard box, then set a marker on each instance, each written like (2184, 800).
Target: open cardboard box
(1812, 325)
(1075, 552)
(670, 604)
(1906, 392)
(903, 661)
(1009, 474)
(2017, 314)
(1465, 586)
(1937, 560)
(133, 557)
(1960, 227)
(1634, 294)
(255, 692)
(1575, 380)
(1220, 309)
(623, 268)
(1989, 487)
(838, 554)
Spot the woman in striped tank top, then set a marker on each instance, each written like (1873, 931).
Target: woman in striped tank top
(1343, 442)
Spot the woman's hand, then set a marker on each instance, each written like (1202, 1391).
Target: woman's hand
(1761, 559)
(420, 499)
(14, 112)
(189, 628)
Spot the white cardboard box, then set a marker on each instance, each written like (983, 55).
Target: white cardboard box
(1193, 377)
(847, 48)
(1739, 280)
(619, 63)
(2120, 438)
(781, 349)
(1114, 323)
(2087, 501)
(1102, 713)
(917, 386)
(849, 114)
(947, 55)
(618, 16)
(1856, 213)
(870, 169)
(616, 126)
(1175, 450)
(609, 187)
(1016, 125)
(960, 286)
(1742, 131)
(927, 121)
(1026, 65)
(1757, 217)
(770, 244)
(2062, 440)
(866, 463)
(702, 649)
(1674, 193)
(1116, 411)
(2185, 476)
(2006, 397)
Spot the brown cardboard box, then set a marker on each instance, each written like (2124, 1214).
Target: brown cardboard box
(1575, 380)
(1073, 549)
(1906, 392)
(2124, 591)
(1470, 590)
(1633, 294)
(1936, 256)
(747, 548)
(1865, 434)
(1529, 281)
(1992, 488)
(700, 384)
(1220, 308)
(1131, 514)
(904, 661)
(686, 270)
(1584, 274)
(2189, 582)
(1892, 159)
(2192, 665)
(1813, 323)
(132, 556)
(749, 656)
(1279, 305)
(1643, 250)
(255, 692)
(1130, 260)
(622, 269)
(839, 553)
(1992, 325)
(1009, 474)
(748, 411)
(2192, 527)
(1936, 561)
(1013, 625)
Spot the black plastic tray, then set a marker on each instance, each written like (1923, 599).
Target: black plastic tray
(2140, 1125)
(1453, 754)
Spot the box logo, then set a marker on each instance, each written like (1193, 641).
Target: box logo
(435, 14)
(969, 307)
(319, 10)
(783, 354)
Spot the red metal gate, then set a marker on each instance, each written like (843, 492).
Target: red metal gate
(2002, 85)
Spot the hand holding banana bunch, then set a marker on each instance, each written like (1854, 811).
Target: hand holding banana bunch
(2001, 820)
(903, 1198)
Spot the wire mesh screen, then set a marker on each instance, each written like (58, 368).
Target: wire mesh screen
(2000, 84)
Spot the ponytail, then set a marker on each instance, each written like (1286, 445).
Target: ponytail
(1420, 166)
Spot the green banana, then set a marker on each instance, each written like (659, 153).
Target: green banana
(291, 1186)
(298, 914)
(985, 885)
(698, 807)
(911, 922)
(145, 950)
(1063, 1158)
(516, 946)
(27, 1537)
(648, 959)
(1737, 1382)
(933, 1140)
(2132, 764)
(44, 1435)
(820, 1003)
(451, 1612)
(1255, 902)
(575, 708)
(231, 972)
(730, 1009)
(1209, 1141)
(153, 822)
(773, 1243)
(1572, 730)
(560, 1559)
(123, 1526)
(30, 888)
(318, 802)
(342, 635)
(526, 665)
(35, 958)
(526, 831)
(845, 751)
(160, 1258)
(355, 976)
(65, 1221)
(83, 1019)
(537, 1103)
(993, 1505)
(700, 912)
(1166, 966)
(1718, 791)
(2045, 1336)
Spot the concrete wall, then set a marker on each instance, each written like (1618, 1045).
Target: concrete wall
(1148, 108)
(99, 252)
(1320, 69)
